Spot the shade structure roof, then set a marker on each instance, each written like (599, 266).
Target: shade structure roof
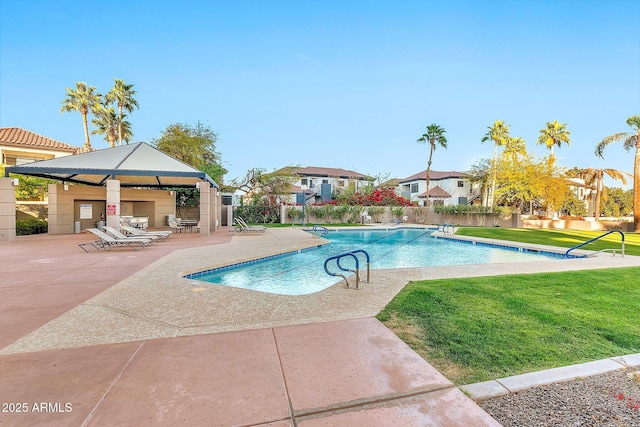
(135, 165)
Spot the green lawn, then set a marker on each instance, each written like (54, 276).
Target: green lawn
(561, 238)
(476, 329)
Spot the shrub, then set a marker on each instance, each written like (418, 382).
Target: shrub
(25, 227)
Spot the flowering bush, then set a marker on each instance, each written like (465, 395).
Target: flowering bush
(378, 197)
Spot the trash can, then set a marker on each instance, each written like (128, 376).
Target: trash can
(76, 227)
(100, 225)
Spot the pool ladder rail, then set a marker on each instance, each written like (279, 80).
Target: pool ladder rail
(351, 254)
(449, 229)
(318, 231)
(598, 238)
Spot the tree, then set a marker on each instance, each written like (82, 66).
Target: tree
(269, 189)
(631, 140)
(480, 174)
(107, 124)
(499, 134)
(554, 134)
(518, 176)
(194, 145)
(595, 177)
(122, 95)
(434, 135)
(84, 99)
(619, 202)
(573, 205)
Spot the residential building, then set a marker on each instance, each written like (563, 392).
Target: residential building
(320, 183)
(19, 146)
(445, 188)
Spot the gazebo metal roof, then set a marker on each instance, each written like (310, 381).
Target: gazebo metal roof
(135, 165)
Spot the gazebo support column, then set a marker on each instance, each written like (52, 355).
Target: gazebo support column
(7, 210)
(205, 209)
(113, 203)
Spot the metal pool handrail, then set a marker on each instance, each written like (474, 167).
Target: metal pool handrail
(351, 254)
(598, 238)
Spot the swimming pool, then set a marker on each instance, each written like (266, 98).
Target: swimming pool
(302, 272)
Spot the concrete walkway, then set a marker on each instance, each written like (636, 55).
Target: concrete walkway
(120, 338)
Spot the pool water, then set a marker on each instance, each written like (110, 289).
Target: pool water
(303, 272)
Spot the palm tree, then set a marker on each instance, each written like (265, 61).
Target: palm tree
(515, 148)
(554, 134)
(84, 99)
(499, 134)
(122, 95)
(107, 124)
(595, 177)
(434, 135)
(631, 140)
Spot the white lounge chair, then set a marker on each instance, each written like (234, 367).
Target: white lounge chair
(244, 227)
(106, 242)
(118, 235)
(136, 232)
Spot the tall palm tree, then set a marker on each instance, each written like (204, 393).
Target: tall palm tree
(84, 99)
(631, 140)
(434, 135)
(595, 177)
(107, 124)
(122, 95)
(554, 134)
(499, 134)
(515, 148)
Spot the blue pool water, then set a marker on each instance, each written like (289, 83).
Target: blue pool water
(303, 272)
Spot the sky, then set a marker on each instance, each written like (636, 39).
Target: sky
(342, 84)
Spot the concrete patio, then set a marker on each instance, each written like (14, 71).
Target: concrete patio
(122, 339)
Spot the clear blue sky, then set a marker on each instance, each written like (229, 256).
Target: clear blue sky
(347, 84)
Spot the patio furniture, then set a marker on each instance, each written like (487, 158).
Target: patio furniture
(136, 232)
(245, 228)
(175, 227)
(189, 224)
(106, 242)
(118, 235)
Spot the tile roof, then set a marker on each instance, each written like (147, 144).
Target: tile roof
(434, 175)
(322, 171)
(436, 193)
(23, 138)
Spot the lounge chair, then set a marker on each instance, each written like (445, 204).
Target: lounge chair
(118, 235)
(393, 221)
(136, 232)
(244, 227)
(106, 242)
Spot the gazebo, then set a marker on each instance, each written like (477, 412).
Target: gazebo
(131, 180)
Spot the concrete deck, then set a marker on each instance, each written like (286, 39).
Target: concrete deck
(123, 339)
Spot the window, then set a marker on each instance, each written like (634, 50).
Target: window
(325, 181)
(414, 188)
(460, 184)
(340, 183)
(303, 181)
(19, 160)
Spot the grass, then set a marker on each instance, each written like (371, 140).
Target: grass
(477, 329)
(561, 238)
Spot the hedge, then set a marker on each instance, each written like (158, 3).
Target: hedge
(25, 227)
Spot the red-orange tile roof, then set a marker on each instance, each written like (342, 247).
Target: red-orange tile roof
(434, 175)
(24, 138)
(437, 193)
